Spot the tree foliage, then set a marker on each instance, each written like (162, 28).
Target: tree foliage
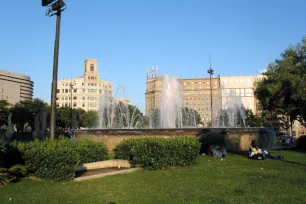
(4, 111)
(282, 93)
(24, 112)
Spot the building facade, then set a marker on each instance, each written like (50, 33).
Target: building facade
(240, 90)
(195, 93)
(15, 87)
(83, 92)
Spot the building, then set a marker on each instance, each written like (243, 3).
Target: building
(195, 92)
(240, 90)
(83, 92)
(15, 87)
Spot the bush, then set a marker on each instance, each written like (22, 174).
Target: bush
(57, 160)
(158, 153)
(90, 151)
(301, 142)
(50, 160)
(12, 174)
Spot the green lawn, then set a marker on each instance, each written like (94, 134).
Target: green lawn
(233, 180)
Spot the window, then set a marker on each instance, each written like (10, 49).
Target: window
(63, 90)
(92, 68)
(84, 90)
(83, 97)
(66, 90)
(57, 90)
(75, 90)
(74, 98)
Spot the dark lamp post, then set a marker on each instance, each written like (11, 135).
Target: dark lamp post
(55, 7)
(211, 73)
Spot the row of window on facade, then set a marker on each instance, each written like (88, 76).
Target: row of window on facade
(92, 78)
(75, 98)
(83, 90)
(89, 84)
(67, 104)
(201, 82)
(237, 81)
(238, 92)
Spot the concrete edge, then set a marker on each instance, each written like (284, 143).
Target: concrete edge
(104, 164)
(85, 178)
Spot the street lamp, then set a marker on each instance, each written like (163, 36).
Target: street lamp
(210, 71)
(55, 7)
(71, 118)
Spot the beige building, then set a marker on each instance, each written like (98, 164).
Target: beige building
(240, 90)
(195, 92)
(83, 92)
(15, 87)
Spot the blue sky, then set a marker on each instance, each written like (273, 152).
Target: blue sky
(128, 37)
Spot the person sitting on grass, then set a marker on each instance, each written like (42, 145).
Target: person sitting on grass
(217, 151)
(255, 152)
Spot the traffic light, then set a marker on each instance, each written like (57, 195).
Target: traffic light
(47, 2)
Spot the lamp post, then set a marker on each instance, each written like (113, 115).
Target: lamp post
(55, 7)
(71, 118)
(210, 71)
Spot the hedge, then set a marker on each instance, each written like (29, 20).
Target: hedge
(57, 159)
(159, 153)
(90, 151)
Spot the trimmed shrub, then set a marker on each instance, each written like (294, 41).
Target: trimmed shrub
(301, 142)
(57, 160)
(90, 151)
(50, 160)
(158, 153)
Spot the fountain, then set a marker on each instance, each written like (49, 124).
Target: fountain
(114, 114)
(172, 113)
(118, 121)
(232, 113)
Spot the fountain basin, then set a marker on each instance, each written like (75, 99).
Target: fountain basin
(103, 168)
(235, 139)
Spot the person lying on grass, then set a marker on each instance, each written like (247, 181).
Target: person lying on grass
(217, 151)
(255, 151)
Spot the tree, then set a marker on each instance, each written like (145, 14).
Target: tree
(67, 117)
(24, 112)
(282, 93)
(190, 117)
(4, 111)
(251, 119)
(90, 119)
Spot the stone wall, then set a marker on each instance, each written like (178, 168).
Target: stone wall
(235, 139)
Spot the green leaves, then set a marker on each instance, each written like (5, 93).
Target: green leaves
(90, 151)
(57, 160)
(158, 153)
(282, 94)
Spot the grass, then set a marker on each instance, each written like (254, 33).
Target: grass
(233, 180)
